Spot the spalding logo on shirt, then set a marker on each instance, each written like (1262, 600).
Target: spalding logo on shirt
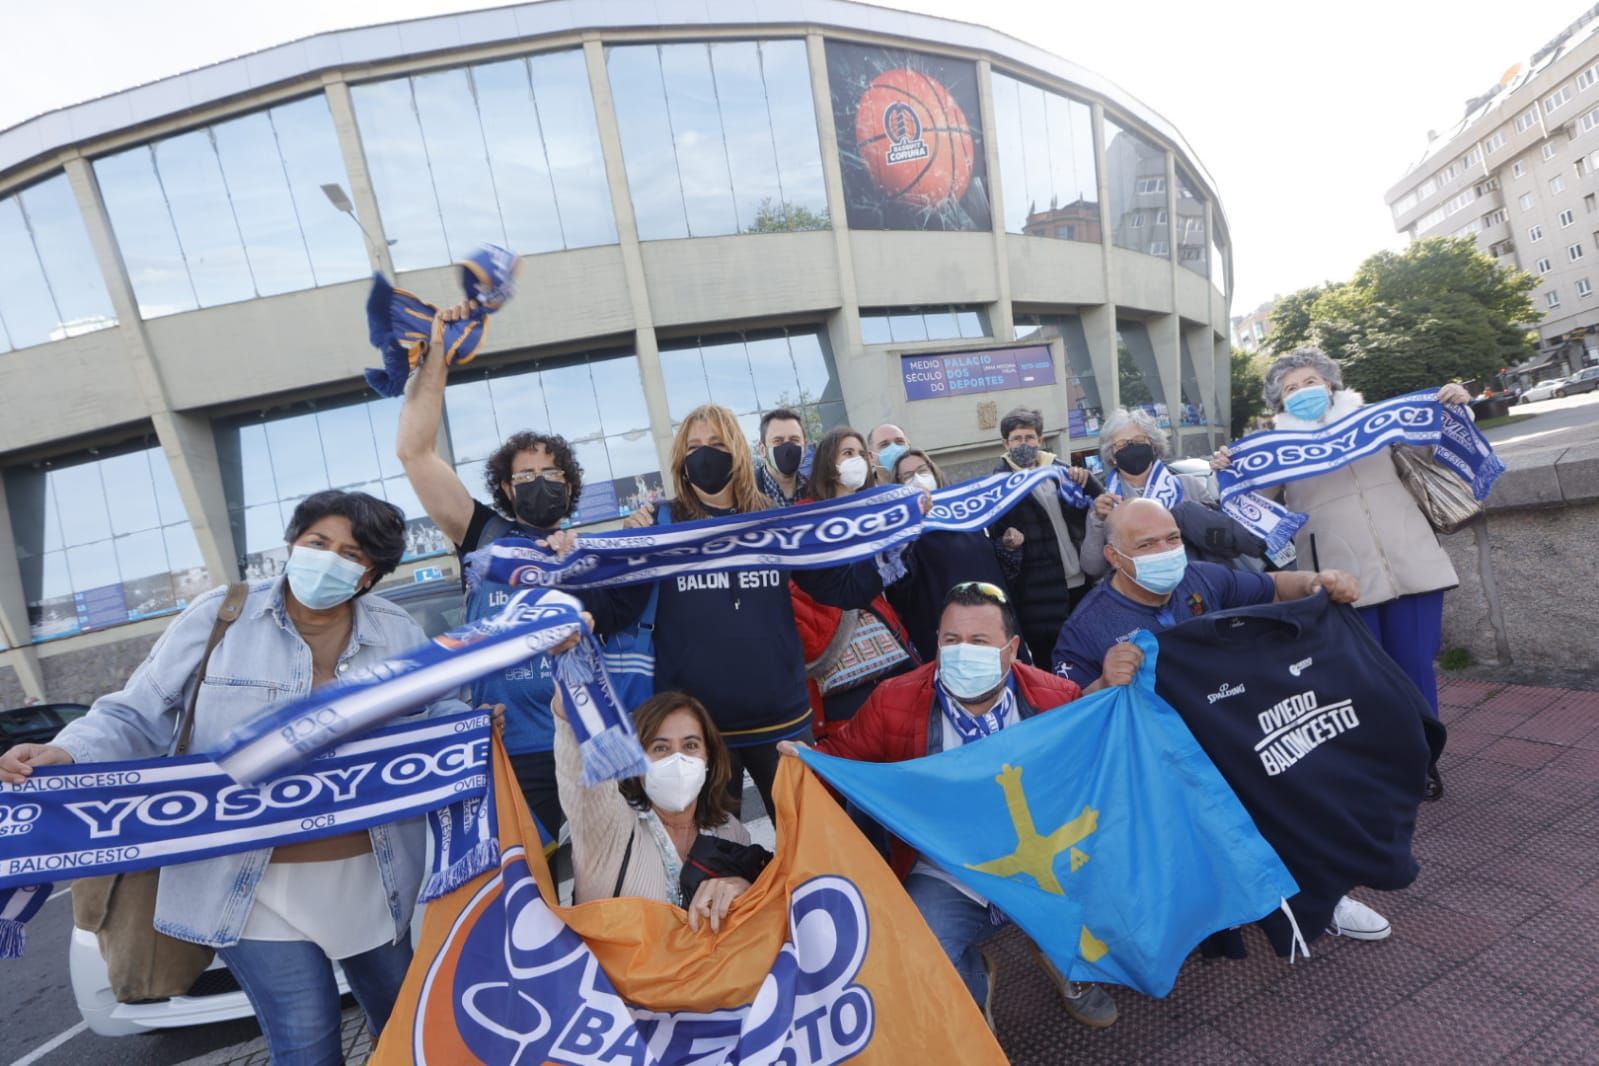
(524, 988)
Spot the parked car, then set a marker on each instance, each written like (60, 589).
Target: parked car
(36, 724)
(437, 605)
(1542, 391)
(1582, 381)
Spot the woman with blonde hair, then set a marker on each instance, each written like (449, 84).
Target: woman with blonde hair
(727, 637)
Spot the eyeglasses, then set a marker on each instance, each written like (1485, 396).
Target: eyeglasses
(984, 588)
(906, 475)
(1129, 442)
(554, 473)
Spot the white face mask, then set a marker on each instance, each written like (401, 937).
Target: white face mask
(674, 782)
(852, 472)
(924, 481)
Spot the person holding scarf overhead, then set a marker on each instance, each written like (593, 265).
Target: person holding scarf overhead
(728, 638)
(1363, 519)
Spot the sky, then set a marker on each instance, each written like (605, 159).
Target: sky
(1303, 114)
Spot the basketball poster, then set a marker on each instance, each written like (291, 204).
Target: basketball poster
(910, 139)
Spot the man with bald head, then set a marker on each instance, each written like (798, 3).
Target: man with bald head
(887, 443)
(1153, 585)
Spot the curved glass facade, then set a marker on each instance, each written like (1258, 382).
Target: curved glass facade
(50, 284)
(1046, 158)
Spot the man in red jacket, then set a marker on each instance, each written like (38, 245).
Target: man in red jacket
(974, 689)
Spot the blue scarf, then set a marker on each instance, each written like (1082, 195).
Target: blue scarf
(103, 818)
(400, 323)
(813, 536)
(1162, 486)
(974, 505)
(532, 623)
(1278, 456)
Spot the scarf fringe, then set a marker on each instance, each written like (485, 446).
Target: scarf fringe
(891, 564)
(483, 857)
(612, 753)
(13, 939)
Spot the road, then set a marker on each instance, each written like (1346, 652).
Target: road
(1555, 425)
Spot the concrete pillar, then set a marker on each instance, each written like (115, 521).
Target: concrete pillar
(1165, 346)
(1001, 322)
(14, 609)
(1224, 385)
(1099, 323)
(644, 342)
(355, 168)
(1201, 349)
(185, 439)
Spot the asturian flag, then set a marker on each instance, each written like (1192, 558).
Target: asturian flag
(824, 960)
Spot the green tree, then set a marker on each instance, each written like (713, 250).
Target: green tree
(1248, 377)
(1440, 310)
(774, 216)
(1291, 318)
(1134, 389)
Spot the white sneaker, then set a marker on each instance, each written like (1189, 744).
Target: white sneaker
(1357, 921)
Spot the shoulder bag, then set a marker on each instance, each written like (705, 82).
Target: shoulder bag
(1445, 500)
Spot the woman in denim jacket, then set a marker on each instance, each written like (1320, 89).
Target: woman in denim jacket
(277, 916)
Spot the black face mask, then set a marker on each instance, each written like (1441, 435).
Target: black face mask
(786, 458)
(709, 469)
(1135, 458)
(541, 503)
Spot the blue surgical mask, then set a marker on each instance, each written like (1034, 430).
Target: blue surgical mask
(1160, 572)
(1309, 403)
(970, 671)
(890, 455)
(322, 579)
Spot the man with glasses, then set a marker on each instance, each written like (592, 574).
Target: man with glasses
(534, 481)
(975, 688)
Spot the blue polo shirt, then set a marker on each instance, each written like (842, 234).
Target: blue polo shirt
(1105, 617)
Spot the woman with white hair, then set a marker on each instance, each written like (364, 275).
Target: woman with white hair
(1364, 520)
(1133, 448)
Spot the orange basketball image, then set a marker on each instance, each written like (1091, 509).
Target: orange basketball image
(913, 138)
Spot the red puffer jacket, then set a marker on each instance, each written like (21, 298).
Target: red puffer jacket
(817, 623)
(896, 721)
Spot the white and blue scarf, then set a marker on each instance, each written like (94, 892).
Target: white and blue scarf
(1162, 486)
(86, 820)
(532, 623)
(1278, 456)
(974, 505)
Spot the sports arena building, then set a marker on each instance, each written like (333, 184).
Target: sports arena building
(864, 213)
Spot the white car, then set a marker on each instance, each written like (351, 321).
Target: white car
(1544, 390)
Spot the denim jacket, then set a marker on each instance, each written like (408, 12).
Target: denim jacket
(260, 662)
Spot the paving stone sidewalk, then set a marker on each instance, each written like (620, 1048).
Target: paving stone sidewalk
(1494, 955)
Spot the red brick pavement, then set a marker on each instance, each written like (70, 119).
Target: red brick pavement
(1495, 951)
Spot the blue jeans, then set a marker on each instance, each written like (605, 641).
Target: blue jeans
(290, 984)
(960, 924)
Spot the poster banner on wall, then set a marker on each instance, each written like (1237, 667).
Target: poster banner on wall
(910, 139)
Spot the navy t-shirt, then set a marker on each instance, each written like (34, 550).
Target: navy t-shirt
(1105, 617)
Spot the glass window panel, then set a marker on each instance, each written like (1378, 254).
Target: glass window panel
(254, 465)
(941, 325)
(296, 451)
(183, 550)
(727, 371)
(474, 434)
(1012, 152)
(617, 379)
(647, 148)
(1137, 191)
(592, 457)
(471, 475)
(749, 426)
(192, 178)
(80, 501)
(684, 372)
(792, 108)
(459, 161)
(398, 491)
(910, 326)
(67, 256)
(385, 417)
(1138, 372)
(772, 366)
(263, 528)
(697, 134)
(1071, 150)
(259, 191)
(569, 393)
(970, 324)
(631, 454)
(572, 147)
(54, 538)
(813, 366)
(1047, 156)
(1035, 151)
(140, 555)
(25, 300)
(833, 415)
(391, 135)
(519, 402)
(309, 150)
(169, 502)
(517, 156)
(348, 446)
(130, 492)
(1191, 240)
(145, 236)
(875, 330)
(55, 579)
(747, 127)
(93, 566)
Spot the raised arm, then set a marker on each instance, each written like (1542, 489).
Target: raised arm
(437, 486)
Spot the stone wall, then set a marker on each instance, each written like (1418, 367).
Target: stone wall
(1528, 568)
(84, 676)
(11, 692)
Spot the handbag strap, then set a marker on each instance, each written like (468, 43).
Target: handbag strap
(227, 614)
(627, 854)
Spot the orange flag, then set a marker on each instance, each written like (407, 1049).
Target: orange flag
(825, 959)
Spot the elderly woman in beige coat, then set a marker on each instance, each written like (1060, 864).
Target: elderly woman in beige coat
(1364, 520)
